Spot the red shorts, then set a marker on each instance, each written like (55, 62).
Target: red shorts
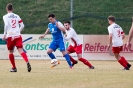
(77, 49)
(14, 41)
(117, 49)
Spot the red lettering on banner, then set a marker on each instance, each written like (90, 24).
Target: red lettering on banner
(99, 48)
(97, 45)
(86, 47)
(91, 48)
(102, 48)
(125, 48)
(107, 48)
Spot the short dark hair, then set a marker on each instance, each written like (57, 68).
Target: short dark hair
(9, 7)
(112, 18)
(51, 15)
(68, 22)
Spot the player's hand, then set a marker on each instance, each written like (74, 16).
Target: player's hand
(4, 38)
(65, 35)
(128, 45)
(110, 50)
(109, 45)
(56, 23)
(42, 36)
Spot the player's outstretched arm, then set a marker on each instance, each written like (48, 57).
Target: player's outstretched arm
(46, 32)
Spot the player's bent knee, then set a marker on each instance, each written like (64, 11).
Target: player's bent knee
(49, 51)
(79, 56)
(20, 50)
(11, 51)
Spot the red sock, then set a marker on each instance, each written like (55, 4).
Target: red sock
(74, 61)
(122, 62)
(24, 56)
(11, 58)
(86, 62)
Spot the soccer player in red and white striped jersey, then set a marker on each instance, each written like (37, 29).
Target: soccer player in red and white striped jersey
(13, 25)
(116, 36)
(76, 45)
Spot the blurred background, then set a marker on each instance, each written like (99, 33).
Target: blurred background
(88, 16)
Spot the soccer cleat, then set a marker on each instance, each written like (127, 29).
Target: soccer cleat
(125, 69)
(55, 64)
(28, 67)
(74, 63)
(129, 65)
(13, 70)
(92, 67)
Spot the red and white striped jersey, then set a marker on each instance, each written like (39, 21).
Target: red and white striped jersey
(117, 34)
(13, 25)
(71, 34)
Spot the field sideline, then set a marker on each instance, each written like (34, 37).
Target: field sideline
(107, 74)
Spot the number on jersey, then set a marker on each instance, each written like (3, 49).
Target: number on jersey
(13, 23)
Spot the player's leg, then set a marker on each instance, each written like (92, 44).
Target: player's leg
(70, 50)
(51, 55)
(124, 60)
(67, 57)
(64, 52)
(120, 59)
(80, 58)
(10, 46)
(23, 54)
(53, 46)
(18, 44)
(85, 61)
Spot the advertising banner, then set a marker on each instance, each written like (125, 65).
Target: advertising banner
(96, 48)
(3, 49)
(37, 48)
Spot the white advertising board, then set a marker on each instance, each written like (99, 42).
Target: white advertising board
(3, 49)
(96, 48)
(37, 48)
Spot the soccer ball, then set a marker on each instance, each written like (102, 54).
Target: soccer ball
(54, 62)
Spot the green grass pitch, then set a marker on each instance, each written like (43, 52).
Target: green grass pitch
(107, 74)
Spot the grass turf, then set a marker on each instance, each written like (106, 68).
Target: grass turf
(107, 74)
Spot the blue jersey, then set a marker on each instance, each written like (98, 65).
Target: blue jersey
(55, 31)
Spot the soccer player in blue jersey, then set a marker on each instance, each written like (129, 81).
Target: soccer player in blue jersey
(56, 28)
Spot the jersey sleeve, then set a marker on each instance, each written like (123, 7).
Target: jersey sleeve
(110, 30)
(69, 35)
(60, 24)
(21, 23)
(48, 26)
(122, 32)
(20, 20)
